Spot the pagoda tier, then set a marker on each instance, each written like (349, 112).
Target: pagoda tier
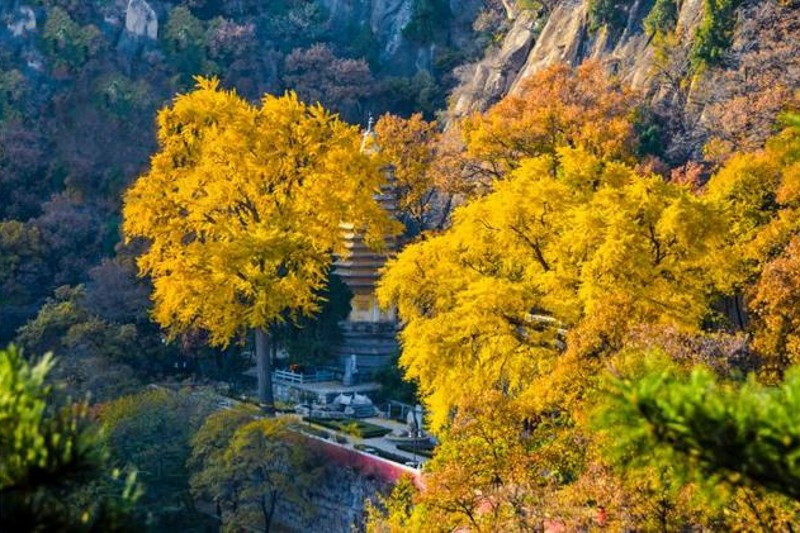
(373, 344)
(360, 268)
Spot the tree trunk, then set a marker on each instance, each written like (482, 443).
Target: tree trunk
(267, 517)
(272, 501)
(264, 372)
(268, 513)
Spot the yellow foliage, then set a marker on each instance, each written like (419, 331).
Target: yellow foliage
(578, 257)
(241, 208)
(512, 315)
(761, 192)
(408, 145)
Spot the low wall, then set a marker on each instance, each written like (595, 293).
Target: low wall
(351, 479)
(366, 463)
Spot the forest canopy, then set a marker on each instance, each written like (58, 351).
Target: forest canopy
(577, 330)
(559, 239)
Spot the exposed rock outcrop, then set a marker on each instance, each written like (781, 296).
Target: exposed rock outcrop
(141, 19)
(387, 20)
(565, 38)
(485, 82)
(766, 47)
(22, 20)
(561, 41)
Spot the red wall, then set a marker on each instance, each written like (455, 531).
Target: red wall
(364, 462)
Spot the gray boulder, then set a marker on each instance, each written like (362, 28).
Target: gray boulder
(141, 20)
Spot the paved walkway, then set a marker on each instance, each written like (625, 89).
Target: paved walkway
(380, 443)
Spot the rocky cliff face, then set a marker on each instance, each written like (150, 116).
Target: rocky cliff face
(765, 53)
(380, 25)
(387, 20)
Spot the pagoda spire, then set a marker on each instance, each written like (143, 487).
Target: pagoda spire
(369, 143)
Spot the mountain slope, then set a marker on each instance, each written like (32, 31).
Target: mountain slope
(759, 68)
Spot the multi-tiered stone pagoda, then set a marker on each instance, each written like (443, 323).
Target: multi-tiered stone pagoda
(369, 332)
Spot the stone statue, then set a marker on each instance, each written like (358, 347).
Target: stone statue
(414, 421)
(350, 371)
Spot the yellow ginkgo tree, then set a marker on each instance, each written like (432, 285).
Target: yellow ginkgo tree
(546, 262)
(241, 210)
(519, 305)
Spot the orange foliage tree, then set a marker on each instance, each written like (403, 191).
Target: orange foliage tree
(582, 108)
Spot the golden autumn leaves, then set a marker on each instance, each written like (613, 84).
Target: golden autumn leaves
(241, 209)
(513, 315)
(565, 244)
(573, 237)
